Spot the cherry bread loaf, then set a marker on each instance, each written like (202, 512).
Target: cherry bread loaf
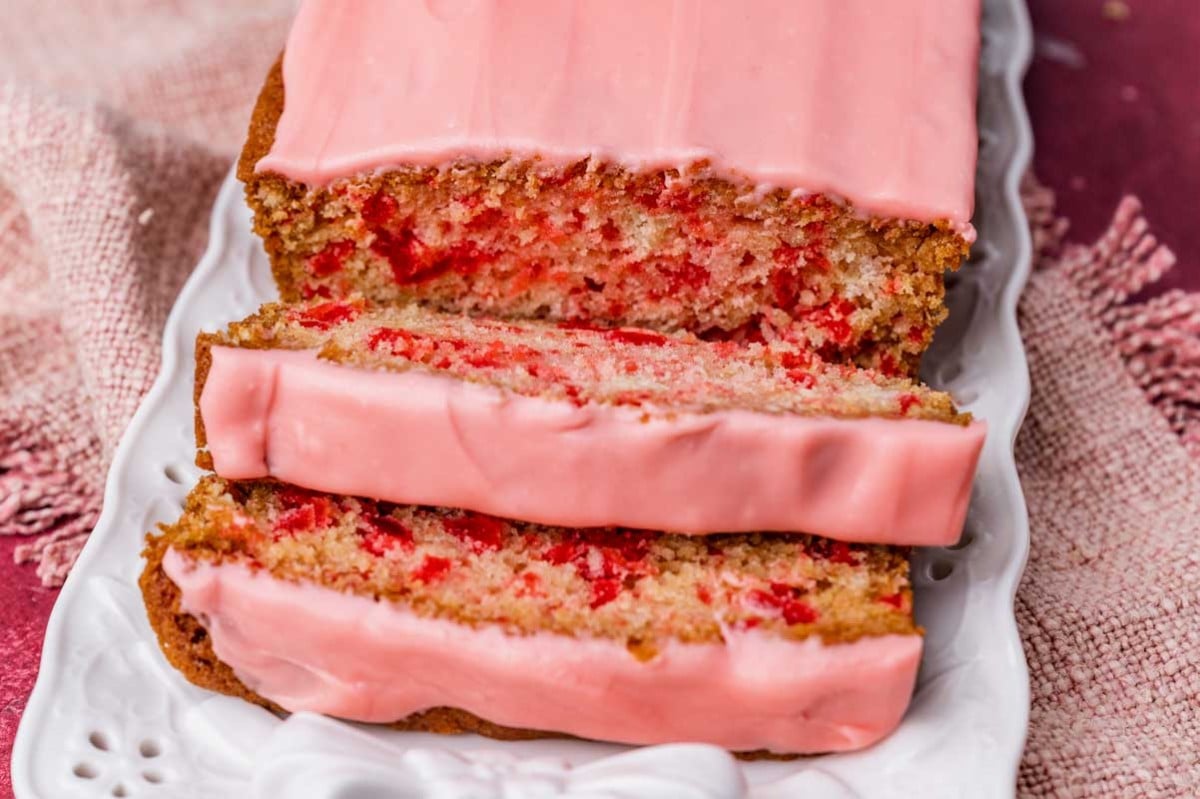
(591, 410)
(450, 621)
(753, 178)
(582, 427)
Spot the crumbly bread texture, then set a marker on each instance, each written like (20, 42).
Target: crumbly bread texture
(661, 373)
(639, 588)
(594, 242)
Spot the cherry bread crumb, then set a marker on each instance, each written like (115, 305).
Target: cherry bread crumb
(636, 586)
(324, 315)
(480, 532)
(331, 259)
(431, 570)
(597, 242)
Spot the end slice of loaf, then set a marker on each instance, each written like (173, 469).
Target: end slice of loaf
(641, 608)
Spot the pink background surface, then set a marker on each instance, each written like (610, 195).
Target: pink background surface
(1115, 110)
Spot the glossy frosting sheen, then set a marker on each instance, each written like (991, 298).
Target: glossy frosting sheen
(374, 661)
(867, 100)
(413, 437)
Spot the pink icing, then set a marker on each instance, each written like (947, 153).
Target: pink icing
(867, 100)
(374, 661)
(414, 437)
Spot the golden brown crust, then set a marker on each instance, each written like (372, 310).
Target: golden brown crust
(184, 642)
(204, 345)
(268, 108)
(188, 648)
(263, 120)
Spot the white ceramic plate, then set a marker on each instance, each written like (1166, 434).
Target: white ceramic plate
(109, 718)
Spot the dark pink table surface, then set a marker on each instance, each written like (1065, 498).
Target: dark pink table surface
(1116, 109)
(1115, 104)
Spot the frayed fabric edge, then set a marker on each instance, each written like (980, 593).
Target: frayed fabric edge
(1158, 338)
(42, 500)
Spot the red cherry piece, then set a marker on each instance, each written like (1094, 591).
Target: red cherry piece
(379, 209)
(687, 275)
(637, 337)
(486, 219)
(302, 511)
(478, 531)
(326, 314)
(309, 291)
(604, 591)
(782, 599)
(840, 552)
(563, 552)
(802, 377)
(330, 259)
(797, 612)
(786, 285)
(296, 520)
(887, 365)
(406, 255)
(631, 544)
(432, 569)
(381, 534)
(795, 360)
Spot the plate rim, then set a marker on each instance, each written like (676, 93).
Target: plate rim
(218, 242)
(1019, 163)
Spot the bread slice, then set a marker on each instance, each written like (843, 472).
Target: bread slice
(577, 426)
(375, 612)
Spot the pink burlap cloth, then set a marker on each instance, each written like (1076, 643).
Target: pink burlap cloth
(117, 126)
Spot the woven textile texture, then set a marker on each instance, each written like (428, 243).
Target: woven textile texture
(1108, 606)
(115, 131)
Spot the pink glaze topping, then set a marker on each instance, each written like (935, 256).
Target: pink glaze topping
(375, 661)
(419, 438)
(871, 101)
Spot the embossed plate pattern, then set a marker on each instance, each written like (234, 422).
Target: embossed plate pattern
(109, 718)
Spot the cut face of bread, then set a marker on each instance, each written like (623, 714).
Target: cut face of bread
(786, 644)
(615, 248)
(581, 427)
